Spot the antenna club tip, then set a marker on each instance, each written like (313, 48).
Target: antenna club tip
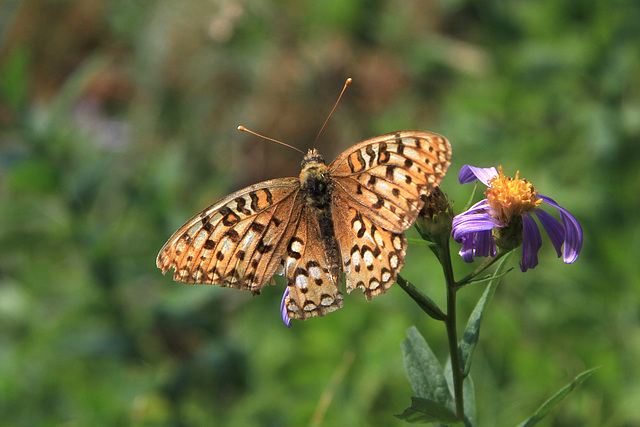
(348, 82)
(242, 128)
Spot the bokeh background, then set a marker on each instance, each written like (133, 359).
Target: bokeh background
(118, 123)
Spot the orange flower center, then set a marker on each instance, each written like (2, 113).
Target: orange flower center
(509, 197)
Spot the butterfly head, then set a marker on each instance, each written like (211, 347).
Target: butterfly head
(312, 157)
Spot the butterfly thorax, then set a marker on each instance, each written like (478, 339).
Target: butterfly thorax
(315, 181)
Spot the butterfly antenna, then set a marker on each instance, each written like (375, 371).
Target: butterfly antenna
(244, 129)
(347, 83)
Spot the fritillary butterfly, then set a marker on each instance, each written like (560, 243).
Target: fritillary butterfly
(348, 217)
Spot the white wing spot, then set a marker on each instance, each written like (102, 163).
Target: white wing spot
(310, 307)
(357, 226)
(293, 307)
(386, 276)
(355, 259)
(327, 301)
(302, 282)
(315, 272)
(393, 261)
(397, 242)
(296, 246)
(378, 239)
(368, 258)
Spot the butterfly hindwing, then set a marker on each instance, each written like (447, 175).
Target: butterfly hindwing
(314, 289)
(371, 255)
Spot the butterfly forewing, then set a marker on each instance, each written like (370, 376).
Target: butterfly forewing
(236, 242)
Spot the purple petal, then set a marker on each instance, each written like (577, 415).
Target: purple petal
(472, 222)
(283, 308)
(481, 206)
(485, 244)
(531, 243)
(470, 173)
(466, 252)
(573, 232)
(553, 228)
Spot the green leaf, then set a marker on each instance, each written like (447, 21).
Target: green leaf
(488, 278)
(472, 331)
(469, 398)
(421, 242)
(426, 304)
(550, 404)
(427, 411)
(424, 371)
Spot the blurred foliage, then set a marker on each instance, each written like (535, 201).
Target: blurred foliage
(118, 122)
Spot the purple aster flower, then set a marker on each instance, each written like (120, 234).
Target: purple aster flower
(504, 220)
(283, 308)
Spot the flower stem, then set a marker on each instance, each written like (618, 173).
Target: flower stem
(456, 367)
(451, 324)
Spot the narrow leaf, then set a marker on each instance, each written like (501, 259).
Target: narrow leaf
(425, 303)
(427, 411)
(487, 278)
(473, 195)
(472, 331)
(421, 242)
(469, 397)
(424, 371)
(550, 404)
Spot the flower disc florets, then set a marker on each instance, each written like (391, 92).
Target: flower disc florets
(511, 197)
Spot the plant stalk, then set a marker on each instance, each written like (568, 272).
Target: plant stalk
(451, 323)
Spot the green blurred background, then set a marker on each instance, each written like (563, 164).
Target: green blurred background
(118, 123)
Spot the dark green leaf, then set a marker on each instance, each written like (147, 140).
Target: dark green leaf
(425, 303)
(423, 369)
(550, 404)
(428, 411)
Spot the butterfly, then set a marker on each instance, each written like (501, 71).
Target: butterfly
(348, 217)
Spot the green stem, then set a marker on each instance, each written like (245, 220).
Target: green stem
(452, 332)
(456, 367)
